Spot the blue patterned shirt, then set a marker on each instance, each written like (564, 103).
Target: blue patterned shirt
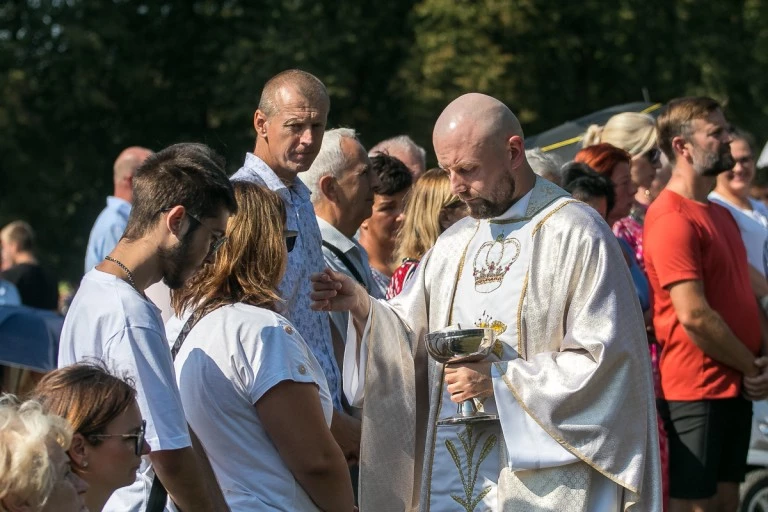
(305, 258)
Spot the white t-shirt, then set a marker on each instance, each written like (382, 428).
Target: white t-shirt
(753, 225)
(111, 321)
(229, 360)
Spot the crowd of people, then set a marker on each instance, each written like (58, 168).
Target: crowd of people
(257, 341)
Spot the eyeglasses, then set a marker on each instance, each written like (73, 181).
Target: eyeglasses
(218, 240)
(139, 436)
(290, 238)
(653, 155)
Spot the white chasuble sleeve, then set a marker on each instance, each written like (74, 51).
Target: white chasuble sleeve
(355, 361)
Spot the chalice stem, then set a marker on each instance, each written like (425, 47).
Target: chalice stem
(467, 409)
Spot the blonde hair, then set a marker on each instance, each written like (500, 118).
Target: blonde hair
(26, 469)
(249, 265)
(421, 223)
(633, 132)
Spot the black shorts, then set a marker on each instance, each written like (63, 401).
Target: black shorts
(708, 443)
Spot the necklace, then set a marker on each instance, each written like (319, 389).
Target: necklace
(129, 274)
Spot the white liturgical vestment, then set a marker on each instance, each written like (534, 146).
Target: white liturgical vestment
(570, 371)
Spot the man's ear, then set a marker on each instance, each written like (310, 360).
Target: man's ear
(174, 220)
(516, 148)
(679, 146)
(260, 124)
(327, 186)
(77, 451)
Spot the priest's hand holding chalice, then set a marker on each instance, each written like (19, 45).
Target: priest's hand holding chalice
(454, 345)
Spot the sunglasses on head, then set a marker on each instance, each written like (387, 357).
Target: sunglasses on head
(290, 238)
(138, 436)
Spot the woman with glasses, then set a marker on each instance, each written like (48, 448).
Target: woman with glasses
(252, 390)
(108, 441)
(635, 133)
(430, 209)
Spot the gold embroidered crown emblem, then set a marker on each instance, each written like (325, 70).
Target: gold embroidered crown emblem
(493, 261)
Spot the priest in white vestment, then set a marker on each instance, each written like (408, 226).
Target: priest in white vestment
(569, 376)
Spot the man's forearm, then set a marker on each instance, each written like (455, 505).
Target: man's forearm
(712, 335)
(181, 475)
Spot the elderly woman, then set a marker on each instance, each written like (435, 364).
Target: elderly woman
(108, 443)
(35, 472)
(252, 390)
(430, 209)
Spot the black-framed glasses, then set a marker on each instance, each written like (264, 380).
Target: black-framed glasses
(218, 240)
(138, 436)
(653, 155)
(290, 239)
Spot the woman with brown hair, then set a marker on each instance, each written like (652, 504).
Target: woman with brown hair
(108, 441)
(430, 209)
(252, 390)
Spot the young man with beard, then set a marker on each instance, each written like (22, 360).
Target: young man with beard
(705, 313)
(181, 202)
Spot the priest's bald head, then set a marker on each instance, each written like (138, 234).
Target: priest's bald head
(479, 143)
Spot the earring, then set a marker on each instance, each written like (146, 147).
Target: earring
(647, 192)
(85, 464)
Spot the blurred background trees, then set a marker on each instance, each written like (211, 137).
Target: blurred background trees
(82, 79)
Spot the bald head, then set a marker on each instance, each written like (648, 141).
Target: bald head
(292, 81)
(125, 166)
(479, 143)
(477, 118)
(128, 161)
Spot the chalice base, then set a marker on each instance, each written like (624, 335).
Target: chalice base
(480, 417)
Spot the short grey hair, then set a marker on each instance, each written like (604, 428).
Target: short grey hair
(543, 163)
(403, 142)
(330, 161)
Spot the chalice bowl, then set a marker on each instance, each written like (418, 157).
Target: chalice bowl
(456, 345)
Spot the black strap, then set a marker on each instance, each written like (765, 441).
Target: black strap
(158, 496)
(347, 263)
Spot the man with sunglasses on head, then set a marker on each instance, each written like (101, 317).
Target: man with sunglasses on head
(290, 123)
(181, 202)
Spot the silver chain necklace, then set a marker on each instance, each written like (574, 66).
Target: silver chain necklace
(127, 271)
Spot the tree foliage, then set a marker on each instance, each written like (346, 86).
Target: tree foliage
(82, 79)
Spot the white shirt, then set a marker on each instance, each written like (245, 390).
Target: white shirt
(111, 321)
(753, 225)
(228, 361)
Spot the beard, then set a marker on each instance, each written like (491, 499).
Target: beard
(499, 201)
(712, 163)
(176, 262)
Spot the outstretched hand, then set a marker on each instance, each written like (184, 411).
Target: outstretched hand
(336, 291)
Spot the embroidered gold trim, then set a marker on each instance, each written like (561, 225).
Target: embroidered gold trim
(563, 442)
(527, 217)
(469, 442)
(434, 439)
(547, 216)
(458, 273)
(520, 318)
